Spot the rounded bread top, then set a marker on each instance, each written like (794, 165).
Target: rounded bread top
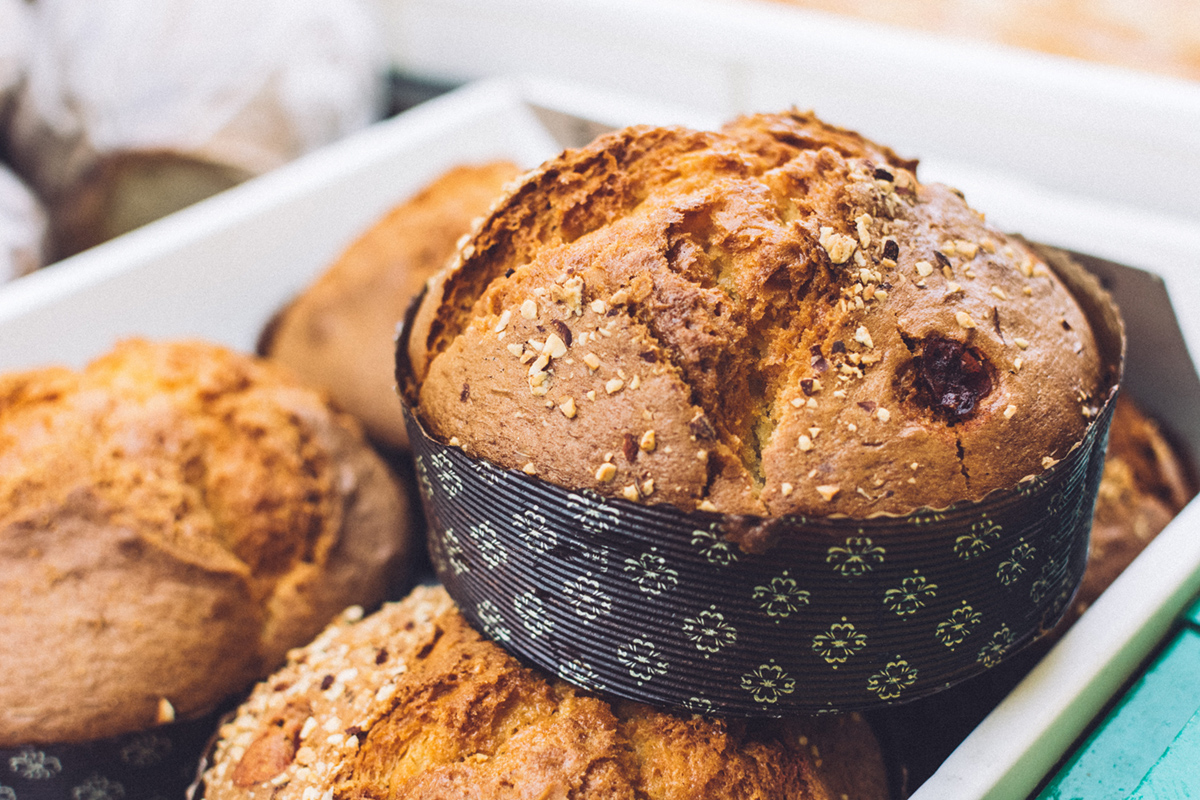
(776, 318)
(173, 518)
(413, 700)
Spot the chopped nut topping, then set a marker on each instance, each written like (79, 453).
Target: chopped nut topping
(881, 295)
(1048, 462)
(882, 414)
(964, 320)
(517, 349)
(529, 309)
(839, 246)
(502, 323)
(805, 444)
(814, 432)
(797, 402)
(454, 441)
(539, 365)
(630, 492)
(165, 712)
(648, 441)
(1017, 362)
(614, 385)
(606, 472)
(812, 403)
(862, 224)
(924, 268)
(570, 292)
(592, 361)
(1021, 343)
(555, 347)
(599, 306)
(591, 395)
(636, 382)
(947, 272)
(647, 487)
(707, 505)
(785, 489)
(828, 491)
(988, 245)
(998, 292)
(1010, 411)
(863, 337)
(948, 247)
(852, 427)
(567, 407)
(966, 249)
(529, 468)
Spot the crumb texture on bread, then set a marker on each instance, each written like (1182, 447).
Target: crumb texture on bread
(777, 318)
(412, 702)
(173, 519)
(339, 333)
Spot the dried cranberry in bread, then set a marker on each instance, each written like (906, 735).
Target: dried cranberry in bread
(338, 334)
(173, 519)
(411, 702)
(776, 318)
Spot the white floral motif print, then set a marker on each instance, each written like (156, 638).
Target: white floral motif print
(995, 649)
(699, 705)
(487, 541)
(1028, 487)
(954, 630)
(1013, 567)
(146, 750)
(837, 644)
(492, 621)
(709, 631)
(858, 556)
(1045, 582)
(643, 660)
(34, 765)
(781, 597)
(911, 596)
(592, 513)
(532, 612)
(7, 793)
(97, 787)
(978, 541)
(534, 532)
(651, 573)
(894, 678)
(586, 597)
(452, 552)
(486, 473)
(423, 481)
(443, 468)
(767, 683)
(713, 548)
(580, 673)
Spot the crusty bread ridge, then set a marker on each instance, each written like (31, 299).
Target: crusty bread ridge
(175, 518)
(411, 702)
(777, 318)
(338, 334)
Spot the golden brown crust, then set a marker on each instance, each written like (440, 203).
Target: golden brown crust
(411, 702)
(803, 327)
(175, 517)
(339, 333)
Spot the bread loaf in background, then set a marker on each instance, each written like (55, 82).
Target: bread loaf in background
(174, 518)
(339, 333)
(132, 110)
(411, 702)
(776, 318)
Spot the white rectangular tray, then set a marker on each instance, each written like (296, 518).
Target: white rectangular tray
(219, 270)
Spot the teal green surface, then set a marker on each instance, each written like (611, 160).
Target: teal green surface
(1177, 773)
(1139, 730)
(1192, 615)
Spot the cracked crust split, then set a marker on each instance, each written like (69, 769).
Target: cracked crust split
(799, 323)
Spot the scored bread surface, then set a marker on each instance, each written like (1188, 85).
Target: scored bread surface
(411, 702)
(775, 318)
(175, 517)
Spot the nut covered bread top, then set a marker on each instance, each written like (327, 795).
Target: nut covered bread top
(174, 518)
(777, 318)
(411, 702)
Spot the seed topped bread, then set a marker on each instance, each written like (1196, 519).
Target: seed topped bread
(777, 318)
(412, 702)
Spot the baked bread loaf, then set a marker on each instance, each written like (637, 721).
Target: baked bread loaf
(411, 702)
(173, 519)
(22, 228)
(338, 334)
(777, 318)
(111, 143)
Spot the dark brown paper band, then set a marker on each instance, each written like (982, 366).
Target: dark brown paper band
(157, 764)
(653, 604)
(658, 605)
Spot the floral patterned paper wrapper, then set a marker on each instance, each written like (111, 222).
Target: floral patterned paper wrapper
(658, 605)
(157, 764)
